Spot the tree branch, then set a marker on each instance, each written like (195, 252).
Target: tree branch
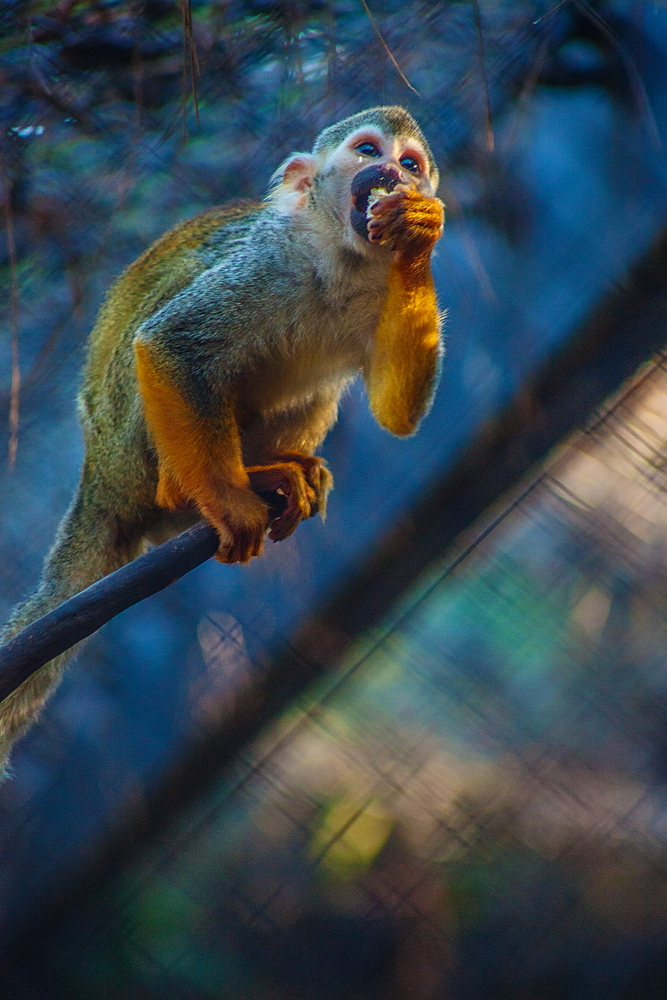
(87, 611)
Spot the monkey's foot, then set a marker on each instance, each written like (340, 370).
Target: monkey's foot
(290, 479)
(317, 475)
(406, 221)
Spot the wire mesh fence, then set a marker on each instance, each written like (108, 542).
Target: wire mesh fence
(475, 806)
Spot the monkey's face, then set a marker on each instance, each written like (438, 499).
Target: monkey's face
(344, 189)
(371, 164)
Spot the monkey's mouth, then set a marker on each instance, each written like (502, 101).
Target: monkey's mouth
(362, 184)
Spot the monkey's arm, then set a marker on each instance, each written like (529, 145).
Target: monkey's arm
(403, 368)
(199, 454)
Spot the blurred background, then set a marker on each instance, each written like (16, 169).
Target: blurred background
(419, 750)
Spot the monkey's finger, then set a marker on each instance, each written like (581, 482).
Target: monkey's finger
(427, 211)
(408, 202)
(411, 227)
(388, 201)
(390, 214)
(383, 235)
(245, 545)
(380, 226)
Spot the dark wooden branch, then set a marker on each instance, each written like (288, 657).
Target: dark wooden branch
(84, 613)
(87, 611)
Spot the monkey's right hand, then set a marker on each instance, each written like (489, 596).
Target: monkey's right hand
(238, 515)
(408, 222)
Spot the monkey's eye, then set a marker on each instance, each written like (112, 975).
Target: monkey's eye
(410, 164)
(367, 149)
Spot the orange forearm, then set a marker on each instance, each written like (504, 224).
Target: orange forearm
(196, 457)
(406, 352)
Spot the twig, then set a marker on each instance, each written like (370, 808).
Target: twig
(552, 11)
(634, 78)
(490, 140)
(387, 49)
(15, 391)
(189, 60)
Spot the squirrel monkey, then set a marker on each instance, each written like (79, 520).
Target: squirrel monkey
(216, 365)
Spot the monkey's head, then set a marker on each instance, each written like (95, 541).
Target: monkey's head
(382, 148)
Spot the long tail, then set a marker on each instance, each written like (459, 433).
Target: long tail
(88, 545)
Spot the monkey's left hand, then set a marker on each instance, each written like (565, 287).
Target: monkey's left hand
(407, 222)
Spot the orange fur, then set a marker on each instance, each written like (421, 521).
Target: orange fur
(192, 452)
(200, 461)
(168, 494)
(406, 352)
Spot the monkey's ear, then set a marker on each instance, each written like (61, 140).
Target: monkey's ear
(289, 186)
(298, 171)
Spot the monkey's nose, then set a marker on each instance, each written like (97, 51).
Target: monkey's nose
(393, 172)
(402, 175)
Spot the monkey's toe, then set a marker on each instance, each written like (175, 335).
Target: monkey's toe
(301, 502)
(245, 545)
(289, 478)
(318, 477)
(246, 542)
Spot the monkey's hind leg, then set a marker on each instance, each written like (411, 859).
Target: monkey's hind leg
(280, 454)
(89, 544)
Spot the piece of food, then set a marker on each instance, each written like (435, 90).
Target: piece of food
(374, 196)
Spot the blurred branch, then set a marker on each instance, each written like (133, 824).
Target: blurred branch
(190, 62)
(14, 312)
(490, 139)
